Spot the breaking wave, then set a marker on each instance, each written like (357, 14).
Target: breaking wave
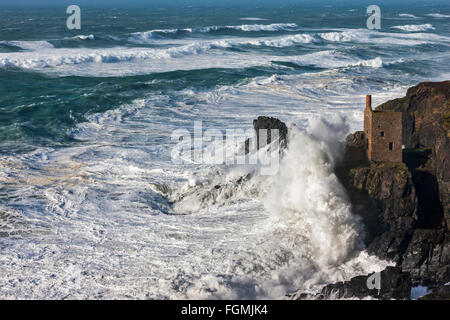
(73, 57)
(415, 28)
(407, 15)
(254, 27)
(252, 19)
(309, 216)
(159, 33)
(438, 15)
(84, 37)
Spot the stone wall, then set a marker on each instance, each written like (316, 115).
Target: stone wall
(386, 137)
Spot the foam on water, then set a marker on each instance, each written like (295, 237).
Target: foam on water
(407, 15)
(252, 19)
(110, 232)
(415, 28)
(109, 215)
(84, 37)
(193, 54)
(243, 27)
(438, 15)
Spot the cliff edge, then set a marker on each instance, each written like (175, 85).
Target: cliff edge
(405, 206)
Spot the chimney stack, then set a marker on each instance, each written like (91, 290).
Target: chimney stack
(369, 101)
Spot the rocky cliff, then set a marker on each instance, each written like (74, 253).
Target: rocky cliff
(426, 124)
(405, 206)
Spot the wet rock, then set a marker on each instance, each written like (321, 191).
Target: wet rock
(268, 123)
(394, 284)
(426, 124)
(384, 196)
(427, 257)
(355, 151)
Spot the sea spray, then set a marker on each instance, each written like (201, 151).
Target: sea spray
(309, 230)
(306, 200)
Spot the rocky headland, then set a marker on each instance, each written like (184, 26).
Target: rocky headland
(404, 206)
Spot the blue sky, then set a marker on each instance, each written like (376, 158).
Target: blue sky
(143, 3)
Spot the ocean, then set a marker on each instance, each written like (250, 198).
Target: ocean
(92, 203)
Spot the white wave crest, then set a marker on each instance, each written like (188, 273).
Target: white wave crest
(58, 57)
(345, 36)
(415, 28)
(142, 37)
(254, 27)
(332, 59)
(158, 33)
(281, 42)
(309, 216)
(307, 198)
(438, 15)
(83, 37)
(407, 15)
(252, 19)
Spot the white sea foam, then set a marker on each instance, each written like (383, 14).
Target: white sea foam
(253, 19)
(309, 203)
(332, 59)
(205, 53)
(254, 27)
(188, 54)
(151, 35)
(415, 28)
(84, 37)
(101, 228)
(58, 57)
(407, 15)
(438, 15)
(157, 33)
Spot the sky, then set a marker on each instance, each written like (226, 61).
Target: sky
(145, 3)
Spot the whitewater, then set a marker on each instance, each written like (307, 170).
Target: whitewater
(93, 204)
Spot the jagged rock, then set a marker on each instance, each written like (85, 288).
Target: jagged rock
(355, 152)
(427, 257)
(269, 124)
(394, 284)
(405, 207)
(384, 196)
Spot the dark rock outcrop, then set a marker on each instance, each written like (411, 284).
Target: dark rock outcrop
(355, 153)
(426, 124)
(405, 206)
(394, 284)
(427, 257)
(384, 196)
(268, 123)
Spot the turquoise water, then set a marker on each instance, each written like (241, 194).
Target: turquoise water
(92, 204)
(41, 101)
